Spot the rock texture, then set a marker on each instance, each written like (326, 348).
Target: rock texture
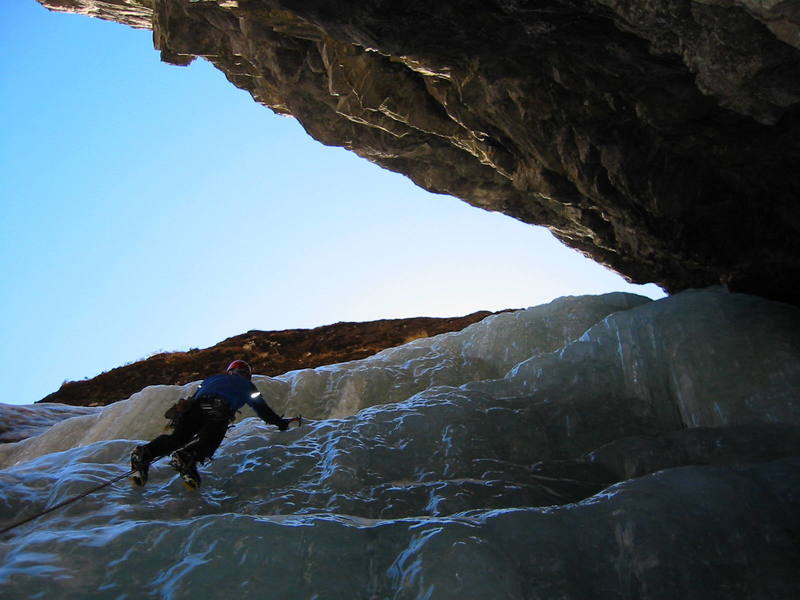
(659, 137)
(267, 352)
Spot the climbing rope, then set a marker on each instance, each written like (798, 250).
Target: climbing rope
(69, 501)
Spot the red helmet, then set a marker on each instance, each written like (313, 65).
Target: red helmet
(240, 368)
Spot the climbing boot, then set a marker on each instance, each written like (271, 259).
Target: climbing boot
(185, 464)
(140, 465)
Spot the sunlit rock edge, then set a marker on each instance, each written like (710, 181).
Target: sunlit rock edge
(521, 458)
(657, 137)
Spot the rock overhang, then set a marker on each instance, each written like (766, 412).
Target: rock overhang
(658, 138)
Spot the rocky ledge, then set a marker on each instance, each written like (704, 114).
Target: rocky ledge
(659, 137)
(268, 352)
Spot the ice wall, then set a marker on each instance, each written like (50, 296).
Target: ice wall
(652, 456)
(21, 422)
(482, 350)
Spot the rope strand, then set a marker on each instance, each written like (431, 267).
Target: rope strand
(68, 501)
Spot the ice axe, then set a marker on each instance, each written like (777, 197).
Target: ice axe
(298, 419)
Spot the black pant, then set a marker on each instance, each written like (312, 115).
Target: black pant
(206, 420)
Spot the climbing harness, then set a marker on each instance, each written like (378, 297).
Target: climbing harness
(68, 501)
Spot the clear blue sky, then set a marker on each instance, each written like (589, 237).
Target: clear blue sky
(147, 207)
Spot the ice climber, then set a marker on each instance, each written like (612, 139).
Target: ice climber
(201, 422)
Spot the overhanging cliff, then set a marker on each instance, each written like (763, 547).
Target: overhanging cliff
(658, 137)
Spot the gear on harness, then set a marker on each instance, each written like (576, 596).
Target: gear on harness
(175, 412)
(217, 408)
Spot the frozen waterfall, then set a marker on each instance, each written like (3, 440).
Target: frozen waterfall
(594, 447)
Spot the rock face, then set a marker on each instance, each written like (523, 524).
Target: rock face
(659, 137)
(267, 352)
(650, 454)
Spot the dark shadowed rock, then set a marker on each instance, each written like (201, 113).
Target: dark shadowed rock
(745, 444)
(660, 138)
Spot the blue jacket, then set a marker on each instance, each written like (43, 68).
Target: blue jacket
(237, 391)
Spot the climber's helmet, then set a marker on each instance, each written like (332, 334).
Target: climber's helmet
(239, 367)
